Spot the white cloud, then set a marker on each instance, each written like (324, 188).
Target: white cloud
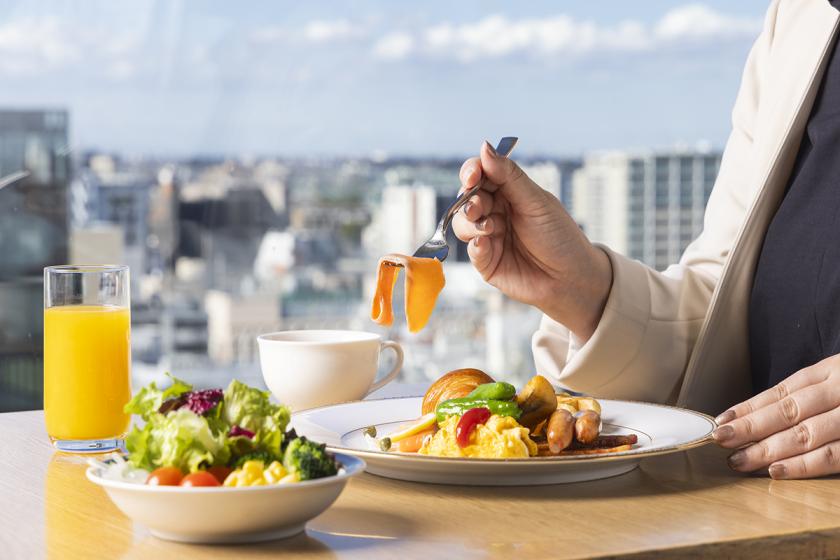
(695, 21)
(315, 31)
(37, 46)
(394, 46)
(497, 36)
(322, 31)
(31, 47)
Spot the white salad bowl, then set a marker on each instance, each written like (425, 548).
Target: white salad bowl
(228, 514)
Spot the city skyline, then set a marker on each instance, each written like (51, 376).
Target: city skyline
(223, 250)
(370, 79)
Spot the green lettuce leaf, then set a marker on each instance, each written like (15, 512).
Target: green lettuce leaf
(251, 409)
(179, 439)
(148, 400)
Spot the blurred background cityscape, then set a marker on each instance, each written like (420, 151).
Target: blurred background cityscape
(225, 242)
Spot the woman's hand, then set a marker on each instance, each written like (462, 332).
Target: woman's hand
(794, 427)
(523, 242)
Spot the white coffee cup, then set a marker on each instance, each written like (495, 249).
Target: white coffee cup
(309, 368)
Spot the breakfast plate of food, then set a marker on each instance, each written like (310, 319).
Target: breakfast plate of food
(470, 429)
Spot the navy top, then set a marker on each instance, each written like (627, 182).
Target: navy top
(794, 314)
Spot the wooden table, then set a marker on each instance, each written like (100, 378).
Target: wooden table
(683, 505)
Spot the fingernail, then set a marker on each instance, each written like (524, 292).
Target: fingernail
(725, 417)
(482, 225)
(777, 471)
(737, 459)
(467, 207)
(490, 148)
(723, 433)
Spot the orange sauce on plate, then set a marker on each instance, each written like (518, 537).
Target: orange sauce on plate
(423, 282)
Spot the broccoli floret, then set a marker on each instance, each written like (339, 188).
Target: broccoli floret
(289, 436)
(308, 459)
(263, 456)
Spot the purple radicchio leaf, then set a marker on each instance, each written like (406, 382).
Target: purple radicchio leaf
(240, 431)
(201, 402)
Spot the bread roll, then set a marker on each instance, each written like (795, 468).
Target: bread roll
(455, 384)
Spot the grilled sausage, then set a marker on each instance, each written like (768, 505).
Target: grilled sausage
(560, 430)
(606, 442)
(587, 426)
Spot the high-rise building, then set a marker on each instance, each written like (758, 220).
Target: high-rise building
(648, 206)
(104, 196)
(235, 321)
(33, 234)
(405, 219)
(223, 212)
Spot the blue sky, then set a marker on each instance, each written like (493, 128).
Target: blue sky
(415, 78)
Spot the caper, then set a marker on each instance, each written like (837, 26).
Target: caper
(370, 431)
(385, 444)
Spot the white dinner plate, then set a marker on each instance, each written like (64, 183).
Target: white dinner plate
(660, 429)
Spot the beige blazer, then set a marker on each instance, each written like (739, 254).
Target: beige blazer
(680, 336)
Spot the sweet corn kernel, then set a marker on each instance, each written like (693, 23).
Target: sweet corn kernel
(275, 472)
(254, 473)
(290, 478)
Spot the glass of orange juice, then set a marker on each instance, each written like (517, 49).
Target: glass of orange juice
(87, 356)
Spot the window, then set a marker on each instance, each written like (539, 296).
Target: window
(250, 163)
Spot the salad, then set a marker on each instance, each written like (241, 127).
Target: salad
(213, 437)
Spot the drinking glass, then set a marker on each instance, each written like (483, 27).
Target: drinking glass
(87, 356)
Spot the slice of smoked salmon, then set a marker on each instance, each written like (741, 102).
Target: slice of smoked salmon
(423, 283)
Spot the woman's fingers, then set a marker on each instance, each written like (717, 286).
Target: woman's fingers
(480, 251)
(470, 220)
(466, 231)
(485, 250)
(463, 228)
(822, 461)
(778, 416)
(796, 426)
(485, 253)
(802, 378)
(502, 173)
(801, 438)
(479, 205)
(470, 174)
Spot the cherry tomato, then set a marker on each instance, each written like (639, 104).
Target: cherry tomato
(469, 420)
(200, 478)
(220, 472)
(165, 476)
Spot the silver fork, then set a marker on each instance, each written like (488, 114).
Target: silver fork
(435, 246)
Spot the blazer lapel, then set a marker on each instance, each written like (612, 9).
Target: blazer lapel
(718, 373)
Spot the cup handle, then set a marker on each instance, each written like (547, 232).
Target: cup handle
(394, 371)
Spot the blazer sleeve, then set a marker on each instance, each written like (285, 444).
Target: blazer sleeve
(651, 320)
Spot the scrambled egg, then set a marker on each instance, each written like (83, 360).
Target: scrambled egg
(501, 437)
(254, 473)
